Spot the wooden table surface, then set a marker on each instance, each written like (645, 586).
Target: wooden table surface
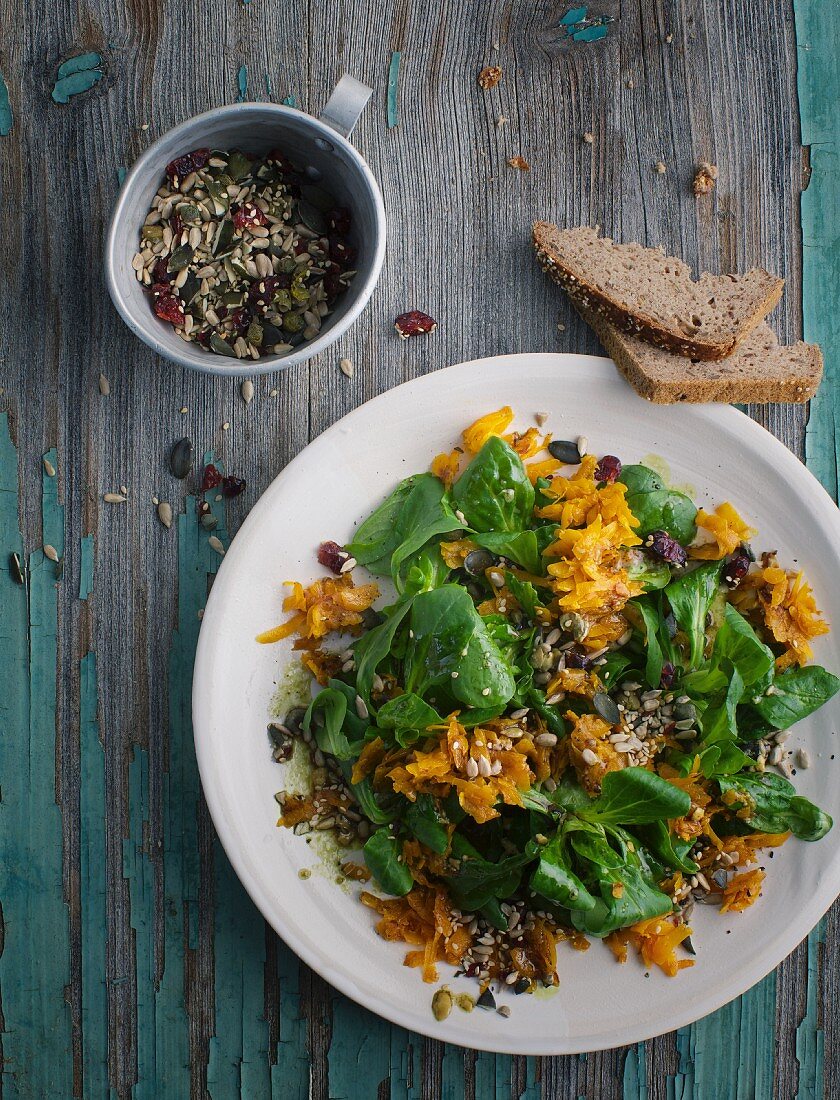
(133, 963)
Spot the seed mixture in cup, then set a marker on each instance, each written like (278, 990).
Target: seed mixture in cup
(242, 254)
(569, 723)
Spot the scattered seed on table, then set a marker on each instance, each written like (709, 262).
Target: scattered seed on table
(49, 469)
(803, 759)
(500, 122)
(50, 552)
(272, 393)
(181, 458)
(215, 543)
(164, 511)
(183, 409)
(226, 426)
(504, 1010)
(540, 418)
(104, 385)
(489, 77)
(346, 367)
(16, 569)
(660, 168)
(113, 498)
(124, 490)
(247, 391)
(588, 138)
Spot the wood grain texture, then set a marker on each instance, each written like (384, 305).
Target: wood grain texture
(170, 973)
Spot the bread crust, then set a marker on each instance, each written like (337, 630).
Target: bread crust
(806, 366)
(644, 325)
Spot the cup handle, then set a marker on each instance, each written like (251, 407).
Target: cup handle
(346, 104)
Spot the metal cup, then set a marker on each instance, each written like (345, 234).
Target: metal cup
(319, 147)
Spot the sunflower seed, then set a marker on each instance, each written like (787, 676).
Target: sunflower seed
(104, 385)
(215, 543)
(346, 367)
(50, 552)
(247, 391)
(113, 498)
(164, 512)
(589, 757)
(803, 759)
(49, 469)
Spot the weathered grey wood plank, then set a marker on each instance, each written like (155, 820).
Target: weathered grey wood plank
(723, 89)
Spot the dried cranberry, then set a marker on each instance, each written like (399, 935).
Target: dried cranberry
(241, 319)
(203, 338)
(179, 168)
(276, 157)
(262, 292)
(233, 486)
(249, 214)
(211, 478)
(339, 220)
(169, 308)
(608, 469)
(737, 566)
(413, 323)
(176, 224)
(160, 288)
(333, 285)
(663, 546)
(301, 247)
(331, 556)
(576, 658)
(342, 252)
(666, 679)
(161, 272)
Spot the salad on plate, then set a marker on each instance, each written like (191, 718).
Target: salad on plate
(564, 719)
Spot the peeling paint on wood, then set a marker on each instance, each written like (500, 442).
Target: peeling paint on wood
(6, 116)
(76, 75)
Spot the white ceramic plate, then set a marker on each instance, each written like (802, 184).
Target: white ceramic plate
(322, 494)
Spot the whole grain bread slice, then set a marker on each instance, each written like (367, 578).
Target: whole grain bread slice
(759, 370)
(645, 293)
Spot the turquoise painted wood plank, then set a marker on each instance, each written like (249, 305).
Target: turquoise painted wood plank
(93, 887)
(634, 1078)
(360, 1052)
(290, 1073)
(817, 34)
(35, 963)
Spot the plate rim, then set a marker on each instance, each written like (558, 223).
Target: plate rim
(699, 1007)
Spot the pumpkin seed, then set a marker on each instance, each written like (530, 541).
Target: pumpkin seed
(565, 451)
(16, 569)
(607, 708)
(189, 212)
(220, 346)
(312, 217)
(223, 238)
(181, 458)
(318, 197)
(180, 258)
(238, 165)
(477, 561)
(209, 522)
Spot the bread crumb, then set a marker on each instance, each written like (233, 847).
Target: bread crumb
(588, 138)
(489, 77)
(500, 121)
(561, 327)
(659, 168)
(540, 418)
(520, 163)
(669, 38)
(704, 178)
(630, 83)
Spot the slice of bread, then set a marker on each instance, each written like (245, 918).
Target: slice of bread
(645, 293)
(758, 371)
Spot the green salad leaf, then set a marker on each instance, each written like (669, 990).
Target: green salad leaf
(494, 493)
